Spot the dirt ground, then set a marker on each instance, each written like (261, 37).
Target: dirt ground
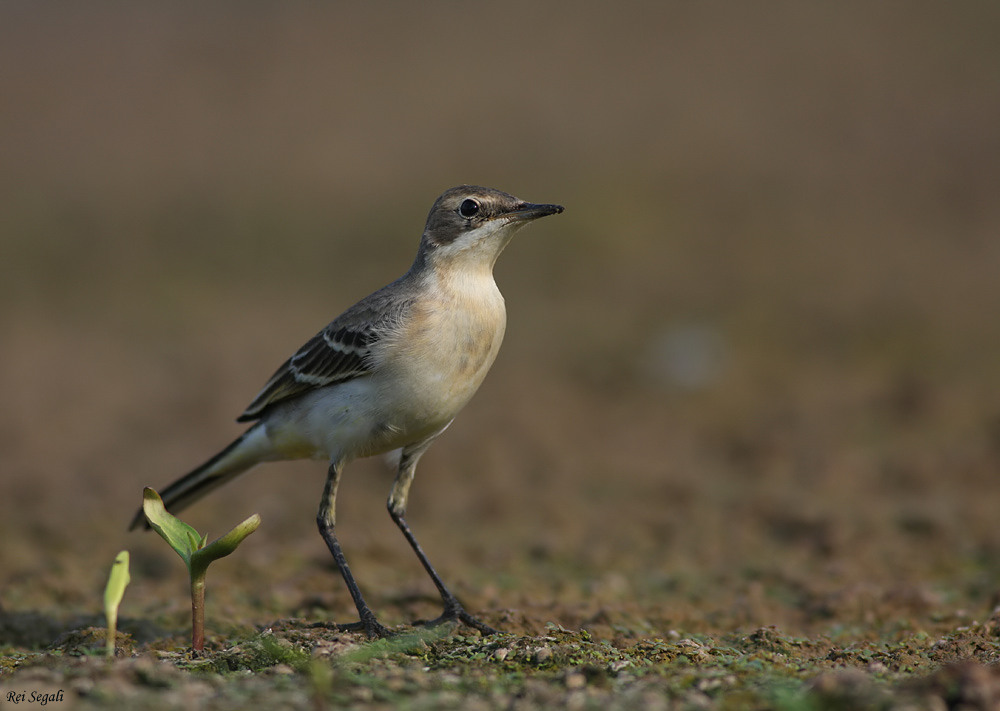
(740, 448)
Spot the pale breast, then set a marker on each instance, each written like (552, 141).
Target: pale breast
(446, 349)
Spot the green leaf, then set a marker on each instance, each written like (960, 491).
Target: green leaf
(221, 547)
(180, 536)
(118, 580)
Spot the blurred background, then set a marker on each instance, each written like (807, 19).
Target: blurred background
(750, 376)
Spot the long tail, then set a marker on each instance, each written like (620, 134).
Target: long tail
(252, 447)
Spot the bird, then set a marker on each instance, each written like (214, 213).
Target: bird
(387, 376)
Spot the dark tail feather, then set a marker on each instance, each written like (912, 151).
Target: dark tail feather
(243, 453)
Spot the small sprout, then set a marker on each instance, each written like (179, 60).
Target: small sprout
(118, 580)
(195, 551)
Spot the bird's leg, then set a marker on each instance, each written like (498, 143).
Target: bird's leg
(453, 609)
(326, 520)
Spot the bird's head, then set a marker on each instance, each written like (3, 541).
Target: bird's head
(475, 224)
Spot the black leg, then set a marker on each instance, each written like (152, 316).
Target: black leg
(453, 609)
(326, 520)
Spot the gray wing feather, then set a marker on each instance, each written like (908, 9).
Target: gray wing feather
(338, 353)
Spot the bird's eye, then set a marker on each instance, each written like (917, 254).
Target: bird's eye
(468, 209)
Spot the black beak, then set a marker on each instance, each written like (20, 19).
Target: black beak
(530, 211)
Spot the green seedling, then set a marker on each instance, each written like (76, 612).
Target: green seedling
(197, 555)
(118, 580)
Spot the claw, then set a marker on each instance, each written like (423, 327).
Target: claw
(454, 612)
(371, 627)
(376, 630)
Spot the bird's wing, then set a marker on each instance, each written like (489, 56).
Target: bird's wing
(340, 352)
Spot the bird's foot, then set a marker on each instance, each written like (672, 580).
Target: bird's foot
(454, 612)
(367, 624)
